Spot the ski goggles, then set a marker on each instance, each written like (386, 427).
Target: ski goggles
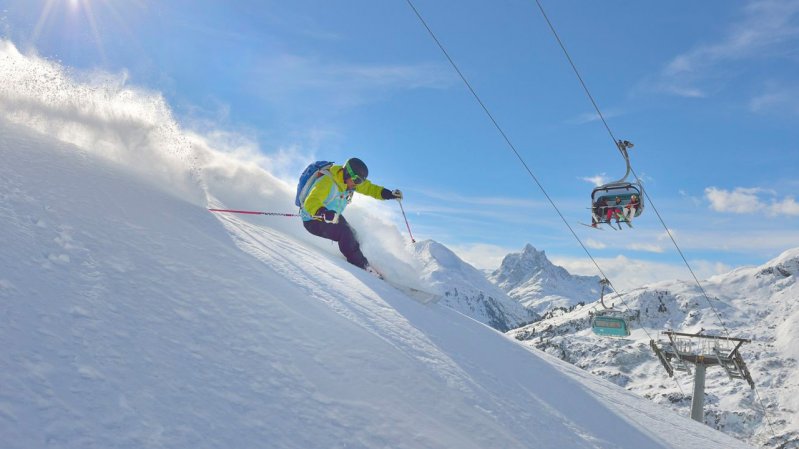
(355, 178)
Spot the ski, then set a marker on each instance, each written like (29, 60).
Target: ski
(415, 293)
(591, 226)
(626, 221)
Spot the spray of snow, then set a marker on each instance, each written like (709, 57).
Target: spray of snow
(103, 114)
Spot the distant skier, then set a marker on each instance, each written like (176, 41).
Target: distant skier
(324, 196)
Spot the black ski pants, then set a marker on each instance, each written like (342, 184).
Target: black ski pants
(342, 233)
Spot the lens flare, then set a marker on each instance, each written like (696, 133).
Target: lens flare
(66, 16)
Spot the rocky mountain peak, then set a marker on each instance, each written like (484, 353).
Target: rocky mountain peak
(532, 279)
(517, 268)
(466, 289)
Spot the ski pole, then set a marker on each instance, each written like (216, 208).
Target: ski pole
(406, 221)
(252, 212)
(279, 214)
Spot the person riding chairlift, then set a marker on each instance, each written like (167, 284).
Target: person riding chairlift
(614, 210)
(632, 207)
(600, 206)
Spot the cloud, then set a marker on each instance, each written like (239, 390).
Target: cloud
(589, 117)
(482, 256)
(776, 99)
(453, 197)
(479, 211)
(755, 238)
(683, 91)
(626, 273)
(739, 201)
(788, 206)
(647, 247)
(749, 201)
(595, 244)
(696, 201)
(768, 28)
(597, 180)
(292, 80)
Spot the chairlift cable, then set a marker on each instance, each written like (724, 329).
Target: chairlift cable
(638, 180)
(646, 194)
(704, 293)
(577, 72)
(765, 412)
(515, 151)
(543, 190)
(679, 250)
(503, 134)
(521, 160)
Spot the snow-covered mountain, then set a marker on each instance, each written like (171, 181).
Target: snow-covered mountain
(758, 303)
(132, 317)
(538, 284)
(465, 289)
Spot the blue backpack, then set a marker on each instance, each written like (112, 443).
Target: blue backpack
(307, 178)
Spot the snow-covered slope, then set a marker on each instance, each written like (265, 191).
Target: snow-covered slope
(757, 303)
(132, 317)
(530, 278)
(465, 289)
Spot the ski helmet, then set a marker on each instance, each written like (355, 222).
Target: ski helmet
(355, 168)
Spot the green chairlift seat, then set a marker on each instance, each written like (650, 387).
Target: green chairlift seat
(608, 325)
(609, 322)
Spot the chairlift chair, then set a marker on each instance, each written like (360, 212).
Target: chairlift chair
(609, 322)
(622, 189)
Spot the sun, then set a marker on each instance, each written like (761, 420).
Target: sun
(61, 14)
(86, 23)
(53, 10)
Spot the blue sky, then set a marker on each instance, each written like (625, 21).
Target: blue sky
(708, 91)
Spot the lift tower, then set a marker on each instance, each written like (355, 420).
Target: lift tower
(702, 351)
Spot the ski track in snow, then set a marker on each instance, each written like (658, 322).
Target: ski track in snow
(343, 291)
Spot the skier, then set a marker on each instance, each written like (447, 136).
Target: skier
(330, 192)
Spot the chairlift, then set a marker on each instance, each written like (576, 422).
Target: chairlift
(609, 322)
(604, 197)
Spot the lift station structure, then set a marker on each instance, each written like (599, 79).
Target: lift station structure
(683, 350)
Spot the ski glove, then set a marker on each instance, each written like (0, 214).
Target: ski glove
(328, 216)
(396, 194)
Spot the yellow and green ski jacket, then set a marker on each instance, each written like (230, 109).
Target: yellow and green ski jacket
(331, 192)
